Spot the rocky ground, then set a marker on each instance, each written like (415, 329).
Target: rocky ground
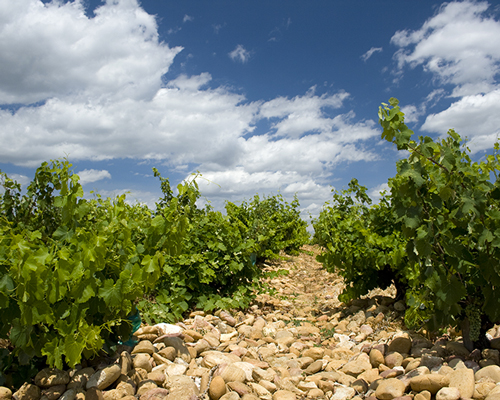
(296, 342)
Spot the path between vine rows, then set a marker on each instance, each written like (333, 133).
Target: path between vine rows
(309, 294)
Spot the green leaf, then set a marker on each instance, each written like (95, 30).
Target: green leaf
(20, 334)
(110, 293)
(63, 233)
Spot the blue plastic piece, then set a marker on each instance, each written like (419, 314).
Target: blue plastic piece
(136, 321)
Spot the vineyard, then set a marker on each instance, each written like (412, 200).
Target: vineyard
(76, 272)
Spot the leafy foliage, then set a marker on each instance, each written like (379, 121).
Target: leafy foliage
(360, 242)
(272, 223)
(449, 209)
(437, 233)
(70, 270)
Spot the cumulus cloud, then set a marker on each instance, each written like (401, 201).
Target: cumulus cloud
(240, 54)
(93, 175)
(376, 192)
(458, 46)
(476, 118)
(370, 52)
(91, 89)
(53, 50)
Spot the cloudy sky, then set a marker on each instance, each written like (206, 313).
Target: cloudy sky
(259, 96)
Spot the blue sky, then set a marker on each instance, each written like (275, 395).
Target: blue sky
(259, 96)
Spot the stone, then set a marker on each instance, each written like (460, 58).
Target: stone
(180, 347)
(104, 378)
(262, 374)
(495, 343)
(369, 376)
(391, 373)
(144, 386)
(260, 390)
(212, 340)
(430, 382)
(314, 352)
(247, 368)
(270, 386)
(463, 379)
(155, 394)
(357, 366)
(360, 386)
(144, 346)
(343, 393)
(494, 394)
(492, 355)
(51, 377)
(157, 377)
(315, 393)
(28, 391)
(491, 371)
(127, 387)
(5, 393)
(304, 362)
(217, 388)
(423, 395)
(401, 345)
(230, 396)
(114, 394)
(54, 392)
(306, 386)
(231, 373)
(144, 361)
(228, 318)
(314, 367)
(175, 369)
(389, 389)
(482, 389)
(182, 388)
(457, 349)
(169, 353)
(431, 361)
(70, 394)
(394, 359)
(126, 362)
(249, 396)
(94, 394)
(213, 358)
(80, 378)
(239, 387)
(448, 393)
(376, 358)
(284, 395)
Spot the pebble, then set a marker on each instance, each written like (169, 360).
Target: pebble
(217, 388)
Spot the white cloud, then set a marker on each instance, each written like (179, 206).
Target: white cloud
(370, 52)
(99, 85)
(240, 54)
(458, 46)
(412, 113)
(187, 18)
(302, 114)
(376, 192)
(475, 117)
(53, 50)
(23, 180)
(93, 175)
